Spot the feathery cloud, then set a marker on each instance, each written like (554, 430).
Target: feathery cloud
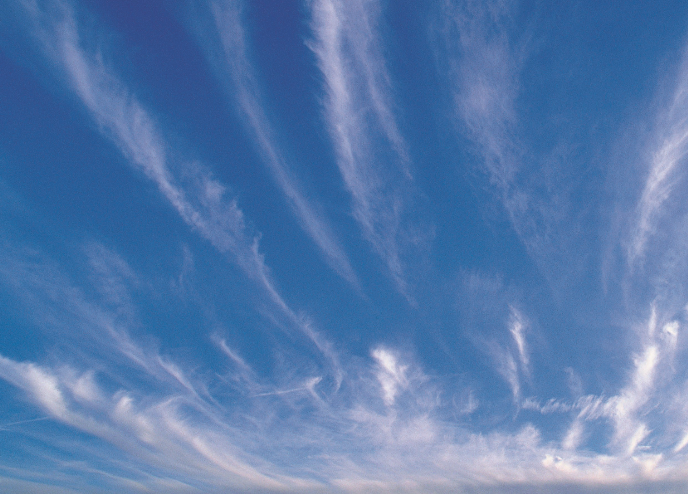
(240, 82)
(484, 55)
(664, 169)
(361, 121)
(189, 187)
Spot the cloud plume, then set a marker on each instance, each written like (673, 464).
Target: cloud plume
(238, 76)
(371, 153)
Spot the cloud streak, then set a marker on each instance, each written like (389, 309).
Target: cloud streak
(158, 434)
(201, 202)
(664, 170)
(241, 84)
(497, 328)
(484, 55)
(517, 328)
(363, 128)
(199, 199)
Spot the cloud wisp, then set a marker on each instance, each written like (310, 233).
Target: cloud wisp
(189, 187)
(638, 425)
(652, 241)
(157, 413)
(160, 435)
(201, 202)
(372, 155)
(664, 170)
(493, 323)
(483, 55)
(236, 73)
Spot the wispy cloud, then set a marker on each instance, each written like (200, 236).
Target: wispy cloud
(157, 434)
(361, 121)
(189, 187)
(517, 328)
(664, 170)
(391, 374)
(387, 423)
(653, 252)
(148, 405)
(484, 55)
(493, 323)
(631, 411)
(507, 367)
(153, 421)
(233, 65)
(487, 66)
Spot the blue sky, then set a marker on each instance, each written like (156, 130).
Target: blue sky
(343, 246)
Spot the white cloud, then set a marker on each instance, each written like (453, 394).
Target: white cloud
(358, 108)
(237, 74)
(517, 329)
(157, 434)
(497, 328)
(507, 367)
(233, 355)
(189, 187)
(486, 71)
(681, 444)
(391, 374)
(629, 430)
(671, 329)
(663, 171)
(386, 427)
(575, 383)
(43, 386)
(201, 201)
(574, 436)
(652, 218)
(483, 53)
(632, 412)
(552, 405)
(354, 446)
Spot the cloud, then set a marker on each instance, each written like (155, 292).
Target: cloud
(363, 128)
(487, 68)
(180, 435)
(391, 374)
(653, 222)
(232, 63)
(664, 170)
(188, 187)
(632, 410)
(574, 436)
(483, 53)
(517, 327)
(199, 199)
(158, 434)
(153, 409)
(651, 379)
(496, 327)
(628, 429)
(647, 247)
(151, 420)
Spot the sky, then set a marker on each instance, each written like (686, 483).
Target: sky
(343, 246)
